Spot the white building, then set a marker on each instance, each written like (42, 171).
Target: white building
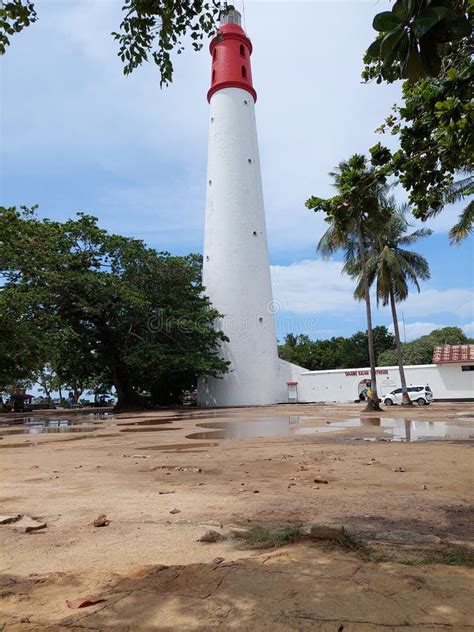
(451, 378)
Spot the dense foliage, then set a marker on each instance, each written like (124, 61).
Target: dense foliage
(15, 15)
(101, 308)
(429, 42)
(155, 28)
(335, 353)
(411, 38)
(348, 353)
(420, 351)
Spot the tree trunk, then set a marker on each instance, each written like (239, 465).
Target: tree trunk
(373, 403)
(406, 401)
(127, 397)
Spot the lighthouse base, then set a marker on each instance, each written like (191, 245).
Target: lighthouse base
(232, 391)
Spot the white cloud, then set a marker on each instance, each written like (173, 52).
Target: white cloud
(468, 329)
(410, 331)
(456, 301)
(315, 287)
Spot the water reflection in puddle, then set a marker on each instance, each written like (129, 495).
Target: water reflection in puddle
(36, 426)
(46, 425)
(396, 429)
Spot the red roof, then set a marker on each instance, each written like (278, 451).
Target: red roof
(451, 354)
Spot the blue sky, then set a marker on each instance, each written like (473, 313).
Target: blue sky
(76, 135)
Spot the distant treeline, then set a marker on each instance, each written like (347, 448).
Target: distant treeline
(341, 353)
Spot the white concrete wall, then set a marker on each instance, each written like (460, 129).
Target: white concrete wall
(446, 381)
(236, 271)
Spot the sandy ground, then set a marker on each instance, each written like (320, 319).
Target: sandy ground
(152, 572)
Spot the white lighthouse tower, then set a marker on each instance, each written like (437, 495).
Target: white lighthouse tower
(236, 272)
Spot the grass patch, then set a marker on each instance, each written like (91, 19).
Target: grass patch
(448, 555)
(262, 538)
(351, 543)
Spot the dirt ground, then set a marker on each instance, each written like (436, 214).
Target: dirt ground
(151, 573)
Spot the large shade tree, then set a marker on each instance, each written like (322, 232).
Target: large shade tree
(392, 268)
(353, 215)
(103, 308)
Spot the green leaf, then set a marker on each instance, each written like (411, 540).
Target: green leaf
(388, 47)
(412, 68)
(427, 19)
(374, 48)
(402, 9)
(458, 26)
(430, 59)
(385, 21)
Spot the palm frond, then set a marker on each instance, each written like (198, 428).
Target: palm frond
(460, 189)
(464, 226)
(421, 233)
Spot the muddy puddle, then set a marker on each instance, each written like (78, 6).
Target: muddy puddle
(386, 428)
(148, 422)
(47, 425)
(179, 447)
(147, 429)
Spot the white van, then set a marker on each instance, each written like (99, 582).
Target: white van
(421, 395)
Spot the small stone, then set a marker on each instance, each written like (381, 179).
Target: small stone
(101, 521)
(218, 560)
(175, 511)
(211, 536)
(407, 537)
(399, 469)
(321, 532)
(163, 492)
(255, 491)
(321, 481)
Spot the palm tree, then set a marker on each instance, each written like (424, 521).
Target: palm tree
(392, 268)
(465, 224)
(353, 214)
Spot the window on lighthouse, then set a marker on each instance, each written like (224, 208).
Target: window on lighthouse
(242, 50)
(244, 72)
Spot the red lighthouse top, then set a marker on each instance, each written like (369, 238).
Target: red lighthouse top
(231, 50)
